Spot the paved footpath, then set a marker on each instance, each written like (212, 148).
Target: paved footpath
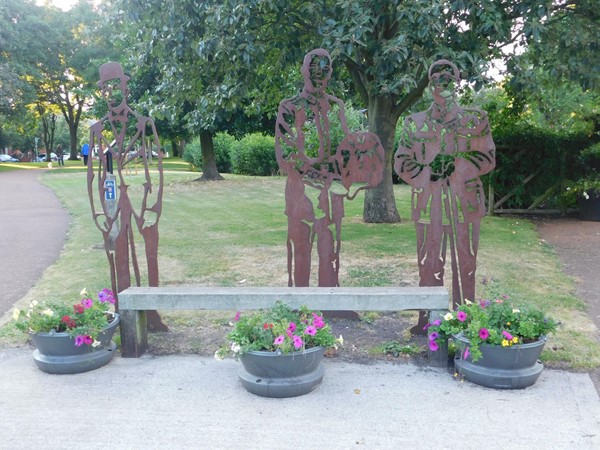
(193, 402)
(187, 401)
(33, 227)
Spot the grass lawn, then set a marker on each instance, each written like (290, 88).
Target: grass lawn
(233, 232)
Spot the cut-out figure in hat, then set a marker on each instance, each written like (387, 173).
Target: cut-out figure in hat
(323, 161)
(442, 153)
(120, 137)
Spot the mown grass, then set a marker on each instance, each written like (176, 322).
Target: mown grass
(233, 232)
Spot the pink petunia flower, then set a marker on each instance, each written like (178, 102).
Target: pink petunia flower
(461, 316)
(466, 353)
(297, 341)
(433, 346)
(484, 333)
(434, 335)
(318, 321)
(79, 341)
(279, 340)
(507, 335)
(87, 340)
(310, 330)
(292, 327)
(237, 316)
(87, 303)
(437, 322)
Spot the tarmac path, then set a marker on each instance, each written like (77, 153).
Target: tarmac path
(33, 227)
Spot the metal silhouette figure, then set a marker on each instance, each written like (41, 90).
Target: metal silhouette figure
(323, 160)
(442, 153)
(121, 137)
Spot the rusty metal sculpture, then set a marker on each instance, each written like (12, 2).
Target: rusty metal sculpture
(119, 138)
(323, 160)
(442, 153)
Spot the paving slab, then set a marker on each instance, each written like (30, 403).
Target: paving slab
(188, 401)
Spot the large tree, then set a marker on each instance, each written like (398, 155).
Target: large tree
(225, 54)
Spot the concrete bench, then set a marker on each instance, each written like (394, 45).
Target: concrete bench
(133, 303)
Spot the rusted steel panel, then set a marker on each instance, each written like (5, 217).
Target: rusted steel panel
(323, 160)
(442, 153)
(121, 203)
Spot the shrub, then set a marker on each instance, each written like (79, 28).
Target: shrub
(254, 154)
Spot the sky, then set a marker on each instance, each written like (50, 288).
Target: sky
(62, 4)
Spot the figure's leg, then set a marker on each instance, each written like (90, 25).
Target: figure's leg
(299, 251)
(431, 254)
(467, 242)
(328, 276)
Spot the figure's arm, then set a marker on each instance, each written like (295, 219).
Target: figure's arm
(409, 161)
(478, 155)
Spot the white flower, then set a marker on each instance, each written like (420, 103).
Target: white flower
(515, 310)
(33, 304)
(95, 343)
(448, 316)
(48, 312)
(83, 292)
(585, 194)
(235, 348)
(218, 355)
(16, 313)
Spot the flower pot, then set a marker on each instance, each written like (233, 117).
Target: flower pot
(511, 367)
(589, 209)
(57, 352)
(272, 374)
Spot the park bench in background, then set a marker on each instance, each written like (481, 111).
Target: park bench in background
(133, 303)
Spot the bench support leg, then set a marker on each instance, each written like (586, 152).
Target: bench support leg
(134, 333)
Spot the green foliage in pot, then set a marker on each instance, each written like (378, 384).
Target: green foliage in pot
(278, 329)
(83, 320)
(494, 321)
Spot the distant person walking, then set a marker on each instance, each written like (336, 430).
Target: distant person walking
(85, 151)
(60, 155)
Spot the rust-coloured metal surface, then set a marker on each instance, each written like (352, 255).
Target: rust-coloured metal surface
(120, 203)
(442, 153)
(324, 162)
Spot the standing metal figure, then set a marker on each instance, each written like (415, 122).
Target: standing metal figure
(307, 152)
(120, 137)
(442, 153)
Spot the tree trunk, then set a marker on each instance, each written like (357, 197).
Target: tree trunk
(73, 141)
(209, 162)
(380, 203)
(174, 151)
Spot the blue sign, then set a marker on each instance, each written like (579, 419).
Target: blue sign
(109, 190)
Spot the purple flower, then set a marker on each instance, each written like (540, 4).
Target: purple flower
(237, 316)
(87, 303)
(434, 335)
(79, 340)
(87, 340)
(292, 327)
(437, 322)
(461, 316)
(484, 303)
(310, 330)
(279, 340)
(106, 295)
(484, 334)
(507, 335)
(426, 326)
(297, 341)
(433, 346)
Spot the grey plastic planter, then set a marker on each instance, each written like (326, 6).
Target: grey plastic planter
(513, 367)
(271, 374)
(57, 353)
